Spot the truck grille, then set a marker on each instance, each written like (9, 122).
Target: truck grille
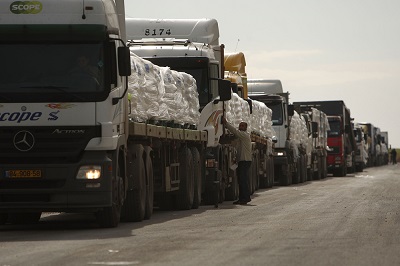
(44, 144)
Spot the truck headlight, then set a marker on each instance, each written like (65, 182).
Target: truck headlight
(89, 172)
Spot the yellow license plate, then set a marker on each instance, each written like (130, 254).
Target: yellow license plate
(24, 173)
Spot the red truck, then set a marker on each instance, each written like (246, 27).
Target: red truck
(341, 140)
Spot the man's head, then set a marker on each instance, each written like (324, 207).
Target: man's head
(243, 126)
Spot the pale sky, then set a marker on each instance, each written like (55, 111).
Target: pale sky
(320, 49)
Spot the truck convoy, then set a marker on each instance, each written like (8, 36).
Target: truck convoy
(289, 158)
(318, 126)
(192, 46)
(68, 143)
(341, 141)
(111, 121)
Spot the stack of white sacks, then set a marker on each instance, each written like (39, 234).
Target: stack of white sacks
(259, 122)
(299, 133)
(161, 94)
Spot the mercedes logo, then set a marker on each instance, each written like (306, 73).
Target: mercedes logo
(24, 140)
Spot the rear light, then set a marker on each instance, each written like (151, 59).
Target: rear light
(211, 163)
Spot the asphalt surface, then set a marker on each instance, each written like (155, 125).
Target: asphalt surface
(351, 220)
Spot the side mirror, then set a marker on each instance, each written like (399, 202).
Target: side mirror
(224, 90)
(290, 110)
(124, 61)
(235, 87)
(314, 129)
(274, 139)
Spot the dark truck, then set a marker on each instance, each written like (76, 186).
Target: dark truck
(341, 140)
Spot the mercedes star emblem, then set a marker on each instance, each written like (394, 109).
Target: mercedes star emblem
(24, 140)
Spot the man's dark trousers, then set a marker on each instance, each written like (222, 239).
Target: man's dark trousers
(243, 176)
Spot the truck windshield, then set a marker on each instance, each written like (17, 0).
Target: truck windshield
(200, 75)
(277, 113)
(334, 126)
(358, 135)
(51, 72)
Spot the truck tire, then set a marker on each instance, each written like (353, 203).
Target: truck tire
(296, 174)
(263, 177)
(324, 173)
(149, 187)
(197, 170)
(211, 195)
(257, 173)
(309, 174)
(109, 217)
(250, 181)
(317, 174)
(184, 199)
(232, 192)
(135, 203)
(271, 172)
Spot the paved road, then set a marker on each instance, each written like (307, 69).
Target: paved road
(351, 220)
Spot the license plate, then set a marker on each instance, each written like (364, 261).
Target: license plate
(24, 173)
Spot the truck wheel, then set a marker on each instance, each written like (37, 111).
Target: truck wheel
(3, 218)
(184, 200)
(149, 188)
(263, 177)
(271, 172)
(197, 178)
(324, 173)
(309, 174)
(317, 174)
(250, 180)
(24, 218)
(256, 173)
(296, 174)
(109, 217)
(135, 202)
(232, 191)
(211, 195)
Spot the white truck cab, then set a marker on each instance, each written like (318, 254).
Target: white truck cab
(62, 112)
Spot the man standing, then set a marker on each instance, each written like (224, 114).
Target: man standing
(244, 158)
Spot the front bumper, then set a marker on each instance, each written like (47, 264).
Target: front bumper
(58, 189)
